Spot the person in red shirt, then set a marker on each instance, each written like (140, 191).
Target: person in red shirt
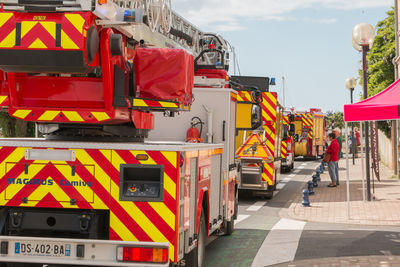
(358, 141)
(333, 166)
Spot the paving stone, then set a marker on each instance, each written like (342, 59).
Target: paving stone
(330, 205)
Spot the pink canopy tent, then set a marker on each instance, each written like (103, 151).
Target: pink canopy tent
(383, 106)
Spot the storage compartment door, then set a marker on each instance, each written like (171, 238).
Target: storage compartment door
(215, 189)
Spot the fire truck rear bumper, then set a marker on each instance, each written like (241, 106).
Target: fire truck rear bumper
(261, 186)
(84, 252)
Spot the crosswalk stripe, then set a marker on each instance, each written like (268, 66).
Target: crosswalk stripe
(241, 217)
(256, 206)
(280, 244)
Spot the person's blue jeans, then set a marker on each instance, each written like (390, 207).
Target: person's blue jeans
(333, 168)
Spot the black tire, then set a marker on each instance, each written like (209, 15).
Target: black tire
(229, 226)
(292, 166)
(201, 241)
(196, 258)
(275, 179)
(269, 194)
(236, 211)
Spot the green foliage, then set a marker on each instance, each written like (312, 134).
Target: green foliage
(11, 127)
(334, 119)
(385, 127)
(380, 62)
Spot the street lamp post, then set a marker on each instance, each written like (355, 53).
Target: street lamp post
(351, 84)
(363, 38)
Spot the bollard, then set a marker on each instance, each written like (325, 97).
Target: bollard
(306, 201)
(321, 167)
(318, 171)
(315, 181)
(318, 177)
(310, 188)
(324, 165)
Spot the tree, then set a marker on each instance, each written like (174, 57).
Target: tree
(380, 62)
(334, 119)
(11, 127)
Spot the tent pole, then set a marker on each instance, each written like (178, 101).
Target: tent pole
(365, 76)
(353, 144)
(347, 173)
(396, 75)
(362, 162)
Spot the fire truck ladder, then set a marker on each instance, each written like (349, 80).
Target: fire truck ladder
(145, 23)
(155, 24)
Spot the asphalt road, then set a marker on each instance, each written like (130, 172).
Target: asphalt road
(263, 238)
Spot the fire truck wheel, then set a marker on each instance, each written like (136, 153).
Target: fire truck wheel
(201, 241)
(229, 226)
(270, 193)
(195, 258)
(236, 212)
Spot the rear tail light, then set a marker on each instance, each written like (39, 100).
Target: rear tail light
(138, 254)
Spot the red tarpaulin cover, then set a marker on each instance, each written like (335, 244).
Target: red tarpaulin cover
(164, 74)
(383, 106)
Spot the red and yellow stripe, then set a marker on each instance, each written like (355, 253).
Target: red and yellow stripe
(311, 131)
(284, 150)
(140, 103)
(129, 221)
(286, 120)
(244, 96)
(269, 117)
(39, 31)
(7, 29)
(4, 101)
(286, 123)
(268, 175)
(58, 115)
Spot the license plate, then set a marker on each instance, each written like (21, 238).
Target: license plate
(51, 249)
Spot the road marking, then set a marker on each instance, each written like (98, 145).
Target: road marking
(256, 206)
(280, 186)
(296, 171)
(292, 175)
(241, 217)
(300, 167)
(386, 252)
(304, 164)
(281, 243)
(285, 180)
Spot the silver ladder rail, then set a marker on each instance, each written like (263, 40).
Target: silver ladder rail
(157, 26)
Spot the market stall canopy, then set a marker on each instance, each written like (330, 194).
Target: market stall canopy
(383, 106)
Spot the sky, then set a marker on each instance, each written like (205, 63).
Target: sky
(308, 42)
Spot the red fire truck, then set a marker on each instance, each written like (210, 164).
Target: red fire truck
(259, 156)
(310, 133)
(93, 192)
(288, 144)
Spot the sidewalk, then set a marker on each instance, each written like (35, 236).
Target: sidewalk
(370, 261)
(329, 204)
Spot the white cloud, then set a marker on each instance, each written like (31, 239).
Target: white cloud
(226, 15)
(324, 21)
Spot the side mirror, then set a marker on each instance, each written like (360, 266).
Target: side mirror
(256, 116)
(292, 129)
